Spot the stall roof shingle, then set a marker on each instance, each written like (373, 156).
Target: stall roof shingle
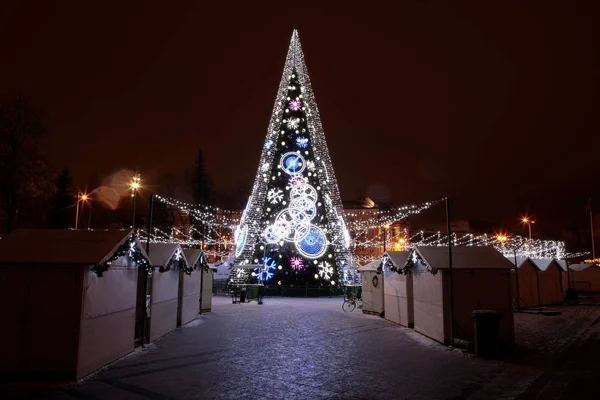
(372, 266)
(464, 257)
(398, 257)
(161, 253)
(580, 267)
(53, 246)
(544, 263)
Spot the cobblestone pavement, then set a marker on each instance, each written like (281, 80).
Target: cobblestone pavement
(311, 349)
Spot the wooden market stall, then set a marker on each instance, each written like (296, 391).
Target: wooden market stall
(167, 260)
(481, 281)
(585, 277)
(68, 300)
(207, 288)
(190, 286)
(372, 287)
(550, 281)
(398, 289)
(525, 281)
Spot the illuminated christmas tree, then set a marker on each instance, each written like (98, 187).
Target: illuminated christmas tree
(293, 224)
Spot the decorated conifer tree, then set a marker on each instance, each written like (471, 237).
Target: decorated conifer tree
(293, 224)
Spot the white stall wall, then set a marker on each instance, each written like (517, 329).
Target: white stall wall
(429, 304)
(481, 289)
(529, 291)
(108, 317)
(398, 298)
(550, 285)
(372, 297)
(163, 313)
(191, 296)
(207, 282)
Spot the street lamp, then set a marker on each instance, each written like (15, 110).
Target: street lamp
(385, 228)
(528, 221)
(135, 185)
(503, 239)
(80, 197)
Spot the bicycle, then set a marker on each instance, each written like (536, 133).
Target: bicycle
(350, 304)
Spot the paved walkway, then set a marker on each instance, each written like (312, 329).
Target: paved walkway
(310, 349)
(289, 349)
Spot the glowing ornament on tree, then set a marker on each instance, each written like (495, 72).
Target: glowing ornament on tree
(293, 123)
(297, 263)
(274, 195)
(302, 142)
(292, 163)
(311, 241)
(266, 271)
(240, 240)
(295, 105)
(325, 270)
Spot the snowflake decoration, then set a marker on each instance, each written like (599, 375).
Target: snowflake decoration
(269, 144)
(274, 196)
(310, 165)
(302, 142)
(293, 123)
(265, 167)
(297, 263)
(266, 271)
(295, 105)
(325, 270)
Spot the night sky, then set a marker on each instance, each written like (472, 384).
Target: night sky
(494, 106)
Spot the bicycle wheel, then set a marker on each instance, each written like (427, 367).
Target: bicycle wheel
(348, 306)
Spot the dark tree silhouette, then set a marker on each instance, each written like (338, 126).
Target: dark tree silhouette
(201, 184)
(61, 216)
(25, 180)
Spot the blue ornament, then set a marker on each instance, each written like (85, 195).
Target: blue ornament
(302, 142)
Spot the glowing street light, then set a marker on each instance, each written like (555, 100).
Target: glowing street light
(502, 238)
(385, 228)
(528, 221)
(135, 185)
(81, 197)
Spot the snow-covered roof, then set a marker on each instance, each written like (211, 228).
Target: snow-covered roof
(464, 257)
(544, 263)
(563, 264)
(398, 258)
(53, 246)
(222, 269)
(162, 253)
(520, 260)
(372, 266)
(192, 256)
(580, 267)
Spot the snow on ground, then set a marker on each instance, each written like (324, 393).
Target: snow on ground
(551, 334)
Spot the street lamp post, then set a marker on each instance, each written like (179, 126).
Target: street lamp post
(528, 221)
(135, 185)
(80, 197)
(502, 239)
(385, 228)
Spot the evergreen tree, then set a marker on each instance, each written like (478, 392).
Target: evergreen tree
(25, 181)
(202, 189)
(292, 224)
(61, 216)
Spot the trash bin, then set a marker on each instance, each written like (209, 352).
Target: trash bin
(486, 328)
(243, 295)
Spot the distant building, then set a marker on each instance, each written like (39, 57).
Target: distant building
(364, 218)
(460, 226)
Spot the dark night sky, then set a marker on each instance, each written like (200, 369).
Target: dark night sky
(495, 106)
